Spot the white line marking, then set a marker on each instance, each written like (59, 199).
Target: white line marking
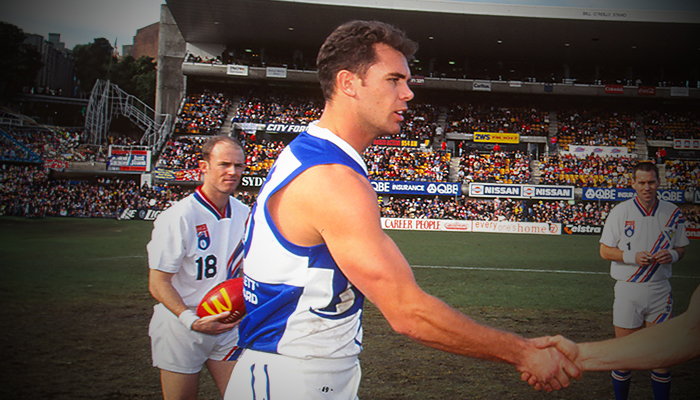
(115, 258)
(549, 271)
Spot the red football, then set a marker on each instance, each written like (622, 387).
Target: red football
(226, 296)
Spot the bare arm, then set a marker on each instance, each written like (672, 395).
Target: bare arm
(161, 287)
(662, 345)
(345, 216)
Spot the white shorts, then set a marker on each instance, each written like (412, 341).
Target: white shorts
(259, 375)
(639, 302)
(178, 349)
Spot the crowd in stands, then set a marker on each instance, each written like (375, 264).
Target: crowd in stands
(27, 191)
(470, 118)
(582, 213)
(589, 171)
(510, 167)
(181, 153)
(420, 122)
(203, 113)
(660, 125)
(261, 156)
(596, 128)
(407, 164)
(682, 175)
(279, 108)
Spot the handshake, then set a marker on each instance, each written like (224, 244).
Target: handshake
(550, 363)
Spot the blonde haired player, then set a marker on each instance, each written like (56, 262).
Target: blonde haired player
(197, 244)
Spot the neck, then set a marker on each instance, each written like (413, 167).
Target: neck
(215, 197)
(647, 205)
(335, 118)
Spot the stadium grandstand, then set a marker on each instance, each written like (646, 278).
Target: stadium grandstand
(524, 114)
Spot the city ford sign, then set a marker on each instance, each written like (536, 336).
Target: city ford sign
(420, 188)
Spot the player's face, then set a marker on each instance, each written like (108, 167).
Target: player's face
(224, 169)
(645, 184)
(384, 92)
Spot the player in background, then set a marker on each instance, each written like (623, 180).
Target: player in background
(197, 244)
(658, 346)
(315, 247)
(642, 238)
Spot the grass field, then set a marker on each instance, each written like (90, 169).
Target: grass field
(76, 310)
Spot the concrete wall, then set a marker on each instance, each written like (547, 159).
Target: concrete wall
(170, 82)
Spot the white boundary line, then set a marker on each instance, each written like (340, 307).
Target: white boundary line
(547, 271)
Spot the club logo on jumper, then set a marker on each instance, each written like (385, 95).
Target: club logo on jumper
(629, 228)
(669, 234)
(203, 239)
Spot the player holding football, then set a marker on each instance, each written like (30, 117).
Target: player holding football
(642, 237)
(195, 245)
(315, 246)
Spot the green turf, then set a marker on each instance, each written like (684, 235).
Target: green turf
(68, 258)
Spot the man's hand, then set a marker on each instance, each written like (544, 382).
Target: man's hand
(212, 324)
(552, 364)
(566, 348)
(644, 258)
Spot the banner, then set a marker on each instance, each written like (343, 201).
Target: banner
(395, 143)
(126, 159)
(143, 215)
(179, 175)
(481, 86)
(537, 192)
(240, 70)
(679, 91)
(686, 144)
(536, 228)
(426, 224)
(585, 151)
(58, 165)
(285, 128)
(621, 194)
(416, 80)
(252, 181)
(276, 72)
(570, 229)
(646, 91)
(614, 89)
(497, 137)
(419, 188)
(692, 233)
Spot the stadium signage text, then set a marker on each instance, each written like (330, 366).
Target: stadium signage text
(497, 137)
(285, 128)
(252, 181)
(521, 191)
(614, 89)
(646, 91)
(395, 143)
(420, 188)
(426, 224)
(692, 233)
(240, 70)
(583, 229)
(126, 159)
(416, 80)
(537, 228)
(481, 86)
(621, 194)
(585, 151)
(143, 215)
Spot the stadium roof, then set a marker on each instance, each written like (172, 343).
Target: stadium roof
(511, 39)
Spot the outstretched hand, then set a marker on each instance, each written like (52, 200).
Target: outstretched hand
(212, 324)
(567, 354)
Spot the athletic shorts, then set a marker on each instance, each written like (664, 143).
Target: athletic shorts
(639, 302)
(259, 375)
(177, 349)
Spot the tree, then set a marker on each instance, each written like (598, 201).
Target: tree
(19, 63)
(136, 77)
(92, 62)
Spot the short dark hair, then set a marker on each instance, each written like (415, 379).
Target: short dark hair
(209, 145)
(645, 166)
(351, 47)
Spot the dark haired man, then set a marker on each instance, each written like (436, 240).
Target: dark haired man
(642, 237)
(315, 247)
